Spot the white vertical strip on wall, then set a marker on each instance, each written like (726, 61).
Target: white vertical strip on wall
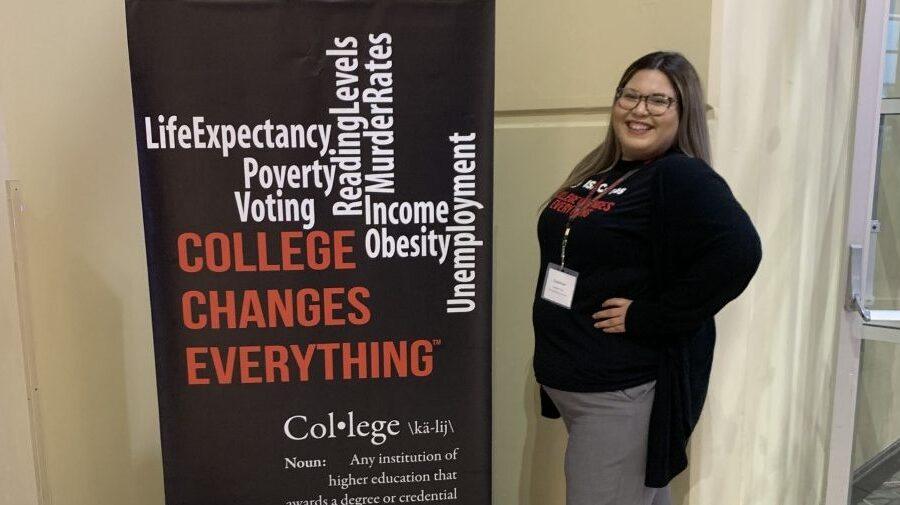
(32, 390)
(19, 433)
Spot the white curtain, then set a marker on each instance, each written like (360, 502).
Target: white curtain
(783, 90)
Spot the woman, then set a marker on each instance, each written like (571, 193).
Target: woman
(640, 247)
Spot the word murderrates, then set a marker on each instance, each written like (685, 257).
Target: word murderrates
(305, 307)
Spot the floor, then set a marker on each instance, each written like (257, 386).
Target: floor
(886, 494)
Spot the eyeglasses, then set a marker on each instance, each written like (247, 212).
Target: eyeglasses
(657, 104)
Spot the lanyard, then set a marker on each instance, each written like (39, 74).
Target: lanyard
(592, 196)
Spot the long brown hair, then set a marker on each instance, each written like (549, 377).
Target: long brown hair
(692, 137)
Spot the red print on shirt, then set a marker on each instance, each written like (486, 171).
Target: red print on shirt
(565, 202)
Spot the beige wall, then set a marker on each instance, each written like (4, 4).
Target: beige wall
(569, 54)
(66, 99)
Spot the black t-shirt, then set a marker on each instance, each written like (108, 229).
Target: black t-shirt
(610, 248)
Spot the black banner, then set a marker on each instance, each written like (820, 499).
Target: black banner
(316, 185)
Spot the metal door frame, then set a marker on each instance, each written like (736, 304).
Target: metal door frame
(858, 232)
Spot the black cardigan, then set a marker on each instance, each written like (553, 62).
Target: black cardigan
(705, 251)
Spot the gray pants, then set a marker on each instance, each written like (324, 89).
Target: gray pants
(607, 449)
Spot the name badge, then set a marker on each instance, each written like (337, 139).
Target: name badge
(559, 285)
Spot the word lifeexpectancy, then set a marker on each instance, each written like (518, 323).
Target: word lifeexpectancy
(198, 134)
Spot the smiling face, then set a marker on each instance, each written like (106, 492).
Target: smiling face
(641, 135)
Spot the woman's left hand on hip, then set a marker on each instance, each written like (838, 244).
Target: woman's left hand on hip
(613, 316)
